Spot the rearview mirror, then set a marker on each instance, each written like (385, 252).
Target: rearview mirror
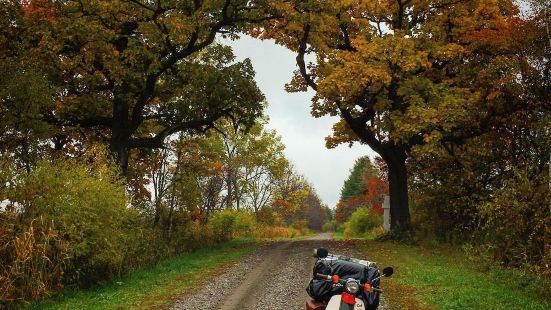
(321, 253)
(388, 271)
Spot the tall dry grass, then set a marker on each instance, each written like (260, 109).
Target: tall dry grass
(33, 259)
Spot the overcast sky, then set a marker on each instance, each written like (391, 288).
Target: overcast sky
(302, 134)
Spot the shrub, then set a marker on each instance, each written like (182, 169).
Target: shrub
(301, 226)
(361, 222)
(517, 221)
(193, 236)
(229, 224)
(278, 232)
(329, 226)
(508, 221)
(87, 208)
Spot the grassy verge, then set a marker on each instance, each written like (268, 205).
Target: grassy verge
(154, 287)
(338, 235)
(442, 278)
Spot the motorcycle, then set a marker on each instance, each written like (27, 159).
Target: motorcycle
(353, 291)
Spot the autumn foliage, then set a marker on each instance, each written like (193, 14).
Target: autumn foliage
(364, 188)
(129, 132)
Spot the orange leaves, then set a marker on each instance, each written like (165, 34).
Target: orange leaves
(39, 9)
(365, 187)
(371, 67)
(375, 189)
(346, 207)
(488, 26)
(283, 207)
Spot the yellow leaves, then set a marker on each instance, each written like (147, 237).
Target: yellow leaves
(297, 84)
(372, 66)
(179, 26)
(341, 134)
(433, 109)
(376, 8)
(448, 51)
(404, 53)
(349, 81)
(487, 9)
(434, 136)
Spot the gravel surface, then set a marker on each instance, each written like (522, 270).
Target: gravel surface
(274, 277)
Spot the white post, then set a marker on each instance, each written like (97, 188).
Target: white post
(386, 208)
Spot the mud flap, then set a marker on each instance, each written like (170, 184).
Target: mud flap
(346, 306)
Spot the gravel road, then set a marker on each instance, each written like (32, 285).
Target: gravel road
(274, 277)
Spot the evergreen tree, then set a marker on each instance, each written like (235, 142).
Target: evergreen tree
(353, 187)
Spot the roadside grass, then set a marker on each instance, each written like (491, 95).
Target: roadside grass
(338, 235)
(440, 277)
(154, 287)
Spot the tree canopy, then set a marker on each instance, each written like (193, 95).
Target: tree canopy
(409, 74)
(129, 73)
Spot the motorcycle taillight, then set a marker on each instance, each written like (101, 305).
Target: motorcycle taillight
(348, 299)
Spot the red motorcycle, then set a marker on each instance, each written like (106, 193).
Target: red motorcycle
(345, 284)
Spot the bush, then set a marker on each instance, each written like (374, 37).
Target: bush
(86, 209)
(516, 222)
(507, 222)
(301, 226)
(330, 226)
(278, 232)
(361, 222)
(230, 224)
(192, 236)
(154, 246)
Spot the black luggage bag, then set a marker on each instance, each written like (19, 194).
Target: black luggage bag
(323, 290)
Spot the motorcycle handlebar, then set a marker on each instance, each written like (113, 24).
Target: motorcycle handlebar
(323, 276)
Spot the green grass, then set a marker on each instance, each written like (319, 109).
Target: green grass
(442, 278)
(154, 287)
(338, 235)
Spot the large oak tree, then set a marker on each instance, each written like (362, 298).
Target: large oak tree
(129, 72)
(403, 74)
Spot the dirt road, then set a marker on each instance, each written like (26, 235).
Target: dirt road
(274, 277)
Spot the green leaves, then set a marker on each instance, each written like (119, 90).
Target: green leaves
(135, 72)
(88, 207)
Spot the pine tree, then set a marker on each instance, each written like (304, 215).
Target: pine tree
(353, 186)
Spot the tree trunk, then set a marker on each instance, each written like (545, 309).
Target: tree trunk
(157, 216)
(398, 188)
(120, 132)
(229, 184)
(120, 148)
